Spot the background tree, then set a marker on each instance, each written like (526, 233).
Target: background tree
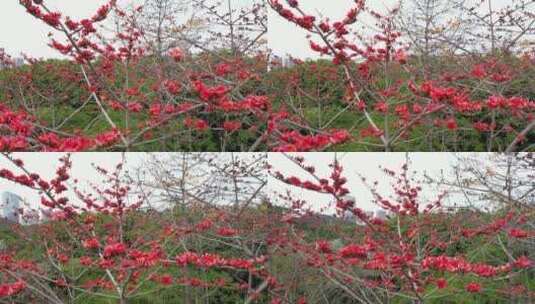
(422, 251)
(235, 25)
(239, 179)
(496, 26)
(108, 243)
(427, 24)
(494, 181)
(164, 21)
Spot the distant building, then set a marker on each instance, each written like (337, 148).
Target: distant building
(381, 214)
(18, 61)
(10, 205)
(288, 62)
(369, 214)
(45, 215)
(349, 216)
(7, 61)
(285, 61)
(30, 217)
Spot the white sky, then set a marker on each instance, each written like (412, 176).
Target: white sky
(22, 33)
(285, 38)
(366, 164)
(45, 164)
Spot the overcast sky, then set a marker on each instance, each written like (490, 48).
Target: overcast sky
(365, 164)
(288, 39)
(285, 38)
(22, 33)
(45, 164)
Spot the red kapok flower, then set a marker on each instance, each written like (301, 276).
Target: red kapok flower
(114, 249)
(166, 279)
(323, 246)
(172, 86)
(353, 251)
(85, 261)
(176, 54)
(473, 287)
(226, 231)
(518, 233)
(91, 243)
(442, 283)
(523, 262)
(7, 290)
(451, 124)
(231, 125)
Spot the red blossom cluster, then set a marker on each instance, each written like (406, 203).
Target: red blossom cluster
(293, 141)
(101, 221)
(177, 54)
(9, 265)
(83, 50)
(212, 260)
(460, 265)
(334, 185)
(21, 132)
(7, 290)
(114, 249)
(388, 246)
(210, 93)
(456, 104)
(99, 59)
(412, 248)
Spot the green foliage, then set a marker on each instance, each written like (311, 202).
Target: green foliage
(287, 268)
(314, 90)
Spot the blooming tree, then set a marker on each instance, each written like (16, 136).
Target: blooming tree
(418, 252)
(189, 97)
(213, 91)
(396, 101)
(108, 244)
